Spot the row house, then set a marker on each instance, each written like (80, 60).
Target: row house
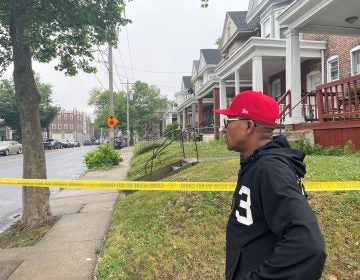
(306, 54)
(186, 100)
(71, 124)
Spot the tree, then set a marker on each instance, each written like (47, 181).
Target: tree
(47, 111)
(146, 100)
(219, 42)
(8, 109)
(44, 30)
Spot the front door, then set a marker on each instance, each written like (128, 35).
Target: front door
(313, 79)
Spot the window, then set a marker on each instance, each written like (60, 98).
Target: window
(282, 32)
(65, 117)
(355, 60)
(59, 117)
(53, 126)
(71, 126)
(276, 88)
(71, 116)
(65, 126)
(279, 29)
(333, 68)
(59, 126)
(266, 28)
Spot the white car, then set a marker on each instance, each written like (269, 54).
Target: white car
(8, 147)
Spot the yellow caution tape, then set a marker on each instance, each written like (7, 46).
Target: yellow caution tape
(165, 186)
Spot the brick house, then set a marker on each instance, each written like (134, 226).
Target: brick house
(71, 124)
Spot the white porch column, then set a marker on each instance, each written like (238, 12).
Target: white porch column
(293, 75)
(237, 81)
(223, 104)
(184, 119)
(257, 74)
(178, 118)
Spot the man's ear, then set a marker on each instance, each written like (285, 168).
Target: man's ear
(250, 125)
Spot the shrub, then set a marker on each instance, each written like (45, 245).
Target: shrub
(349, 148)
(103, 157)
(305, 146)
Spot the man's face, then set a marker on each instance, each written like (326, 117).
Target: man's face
(235, 131)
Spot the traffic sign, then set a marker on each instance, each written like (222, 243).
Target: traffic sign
(112, 121)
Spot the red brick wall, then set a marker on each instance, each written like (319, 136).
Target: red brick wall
(337, 45)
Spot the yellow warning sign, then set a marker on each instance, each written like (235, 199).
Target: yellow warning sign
(112, 121)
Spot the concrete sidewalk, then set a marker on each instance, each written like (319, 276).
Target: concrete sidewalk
(68, 250)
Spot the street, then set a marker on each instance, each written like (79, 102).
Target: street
(60, 164)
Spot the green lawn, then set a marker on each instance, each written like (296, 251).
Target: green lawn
(181, 235)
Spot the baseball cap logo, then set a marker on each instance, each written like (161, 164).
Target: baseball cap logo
(244, 111)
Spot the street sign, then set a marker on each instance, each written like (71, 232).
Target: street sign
(112, 121)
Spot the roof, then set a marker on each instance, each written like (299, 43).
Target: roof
(187, 82)
(211, 56)
(239, 19)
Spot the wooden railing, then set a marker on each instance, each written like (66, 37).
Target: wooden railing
(339, 100)
(307, 103)
(309, 106)
(285, 106)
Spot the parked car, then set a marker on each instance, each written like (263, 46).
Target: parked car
(97, 142)
(86, 142)
(65, 143)
(8, 147)
(52, 144)
(76, 143)
(118, 143)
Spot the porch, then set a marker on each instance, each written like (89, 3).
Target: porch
(332, 112)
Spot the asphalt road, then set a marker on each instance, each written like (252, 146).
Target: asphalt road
(60, 164)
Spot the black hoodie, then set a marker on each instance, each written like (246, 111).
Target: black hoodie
(272, 232)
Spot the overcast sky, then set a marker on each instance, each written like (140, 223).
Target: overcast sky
(157, 48)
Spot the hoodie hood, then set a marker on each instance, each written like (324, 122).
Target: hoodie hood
(280, 146)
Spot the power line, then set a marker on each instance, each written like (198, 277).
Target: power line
(99, 82)
(122, 62)
(103, 59)
(153, 71)
(128, 43)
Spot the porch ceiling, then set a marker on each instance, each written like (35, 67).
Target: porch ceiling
(271, 66)
(323, 16)
(273, 53)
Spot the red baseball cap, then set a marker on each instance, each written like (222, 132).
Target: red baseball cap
(253, 105)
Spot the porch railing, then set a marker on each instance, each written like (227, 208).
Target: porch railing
(285, 106)
(307, 102)
(339, 100)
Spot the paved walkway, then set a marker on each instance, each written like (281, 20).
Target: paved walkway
(68, 250)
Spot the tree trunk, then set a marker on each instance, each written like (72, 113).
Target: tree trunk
(36, 208)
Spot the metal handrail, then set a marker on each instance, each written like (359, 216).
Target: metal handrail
(282, 119)
(167, 141)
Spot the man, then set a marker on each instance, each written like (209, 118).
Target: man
(272, 232)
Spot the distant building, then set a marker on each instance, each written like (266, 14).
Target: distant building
(71, 124)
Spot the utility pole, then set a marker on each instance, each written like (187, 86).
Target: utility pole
(127, 114)
(111, 98)
(128, 97)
